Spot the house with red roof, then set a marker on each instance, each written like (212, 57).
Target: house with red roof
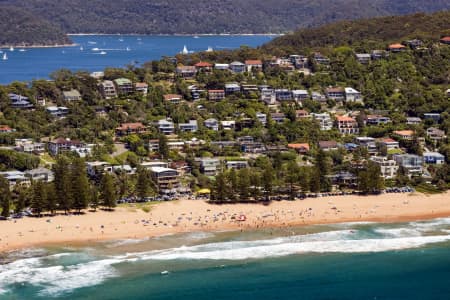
(403, 134)
(173, 98)
(130, 128)
(6, 129)
(396, 47)
(216, 95)
(301, 148)
(347, 125)
(253, 64)
(203, 66)
(445, 40)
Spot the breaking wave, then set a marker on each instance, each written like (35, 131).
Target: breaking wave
(60, 273)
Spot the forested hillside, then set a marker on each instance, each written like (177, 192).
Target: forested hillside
(212, 16)
(367, 32)
(20, 27)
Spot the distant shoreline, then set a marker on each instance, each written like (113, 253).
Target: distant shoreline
(38, 46)
(176, 34)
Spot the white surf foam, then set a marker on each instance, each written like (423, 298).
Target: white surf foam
(55, 279)
(265, 249)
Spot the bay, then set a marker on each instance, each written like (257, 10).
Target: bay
(96, 52)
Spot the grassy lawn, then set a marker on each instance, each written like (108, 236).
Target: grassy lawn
(426, 188)
(144, 206)
(46, 159)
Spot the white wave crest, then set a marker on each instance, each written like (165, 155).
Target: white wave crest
(265, 249)
(55, 280)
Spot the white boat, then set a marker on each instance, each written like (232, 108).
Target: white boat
(210, 49)
(185, 50)
(196, 37)
(95, 49)
(165, 272)
(81, 48)
(5, 57)
(92, 43)
(103, 53)
(121, 40)
(139, 39)
(11, 48)
(128, 49)
(22, 50)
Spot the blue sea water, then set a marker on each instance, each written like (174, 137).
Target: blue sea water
(119, 52)
(342, 261)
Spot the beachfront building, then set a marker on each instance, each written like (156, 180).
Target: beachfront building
(16, 178)
(40, 174)
(388, 167)
(166, 179)
(411, 163)
(107, 89)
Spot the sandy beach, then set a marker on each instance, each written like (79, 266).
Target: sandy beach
(197, 215)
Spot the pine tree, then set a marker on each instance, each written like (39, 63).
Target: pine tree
(163, 147)
(94, 201)
(219, 191)
(80, 185)
(268, 178)
(39, 198)
(107, 192)
(21, 200)
(143, 184)
(5, 196)
(243, 184)
(292, 176)
(233, 184)
(51, 200)
(63, 184)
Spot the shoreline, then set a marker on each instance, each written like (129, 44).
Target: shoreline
(6, 47)
(185, 216)
(176, 34)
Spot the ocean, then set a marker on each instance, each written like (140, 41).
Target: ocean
(96, 52)
(342, 261)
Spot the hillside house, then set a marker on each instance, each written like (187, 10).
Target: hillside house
(130, 128)
(72, 95)
(335, 93)
(237, 67)
(124, 86)
(324, 119)
(216, 95)
(191, 126)
(388, 167)
(173, 98)
(211, 124)
(19, 101)
(253, 65)
(107, 89)
(352, 95)
(186, 72)
(347, 125)
(141, 88)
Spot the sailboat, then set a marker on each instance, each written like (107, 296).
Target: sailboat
(128, 49)
(5, 57)
(81, 48)
(185, 50)
(11, 48)
(196, 37)
(102, 53)
(210, 49)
